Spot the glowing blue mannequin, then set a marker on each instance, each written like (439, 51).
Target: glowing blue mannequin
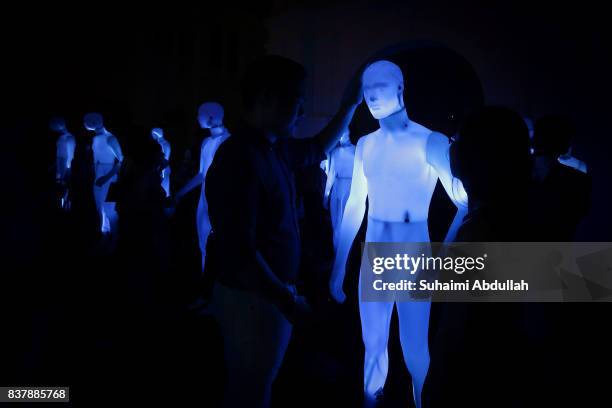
(210, 116)
(64, 153)
(158, 135)
(396, 168)
(339, 171)
(107, 157)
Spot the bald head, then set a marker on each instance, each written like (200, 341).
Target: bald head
(93, 121)
(210, 114)
(383, 87)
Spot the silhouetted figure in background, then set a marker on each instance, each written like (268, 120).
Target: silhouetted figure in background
(562, 193)
(158, 135)
(254, 248)
(492, 158)
(64, 153)
(143, 240)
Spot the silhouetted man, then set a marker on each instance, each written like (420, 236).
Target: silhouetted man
(254, 247)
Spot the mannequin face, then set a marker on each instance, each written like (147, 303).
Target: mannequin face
(383, 88)
(157, 133)
(93, 122)
(210, 115)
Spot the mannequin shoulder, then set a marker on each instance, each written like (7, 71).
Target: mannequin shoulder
(436, 147)
(368, 140)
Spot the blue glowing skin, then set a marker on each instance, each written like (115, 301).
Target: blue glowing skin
(396, 168)
(339, 169)
(107, 161)
(158, 135)
(210, 116)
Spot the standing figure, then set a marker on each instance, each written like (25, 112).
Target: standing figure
(65, 146)
(158, 135)
(107, 158)
(340, 170)
(396, 169)
(210, 116)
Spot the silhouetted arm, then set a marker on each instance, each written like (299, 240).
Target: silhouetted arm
(353, 96)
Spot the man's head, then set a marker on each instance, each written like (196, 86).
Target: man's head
(57, 124)
(273, 94)
(383, 88)
(157, 133)
(210, 115)
(491, 154)
(93, 121)
(553, 135)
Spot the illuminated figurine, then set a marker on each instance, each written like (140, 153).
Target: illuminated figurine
(65, 145)
(210, 116)
(158, 135)
(339, 169)
(396, 169)
(107, 157)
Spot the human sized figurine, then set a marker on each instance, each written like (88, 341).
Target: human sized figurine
(158, 135)
(396, 169)
(210, 116)
(339, 169)
(107, 158)
(64, 153)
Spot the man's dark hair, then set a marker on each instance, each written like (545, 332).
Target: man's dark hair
(552, 135)
(271, 74)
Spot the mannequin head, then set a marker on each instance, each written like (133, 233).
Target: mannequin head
(383, 87)
(210, 115)
(157, 133)
(93, 121)
(57, 124)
